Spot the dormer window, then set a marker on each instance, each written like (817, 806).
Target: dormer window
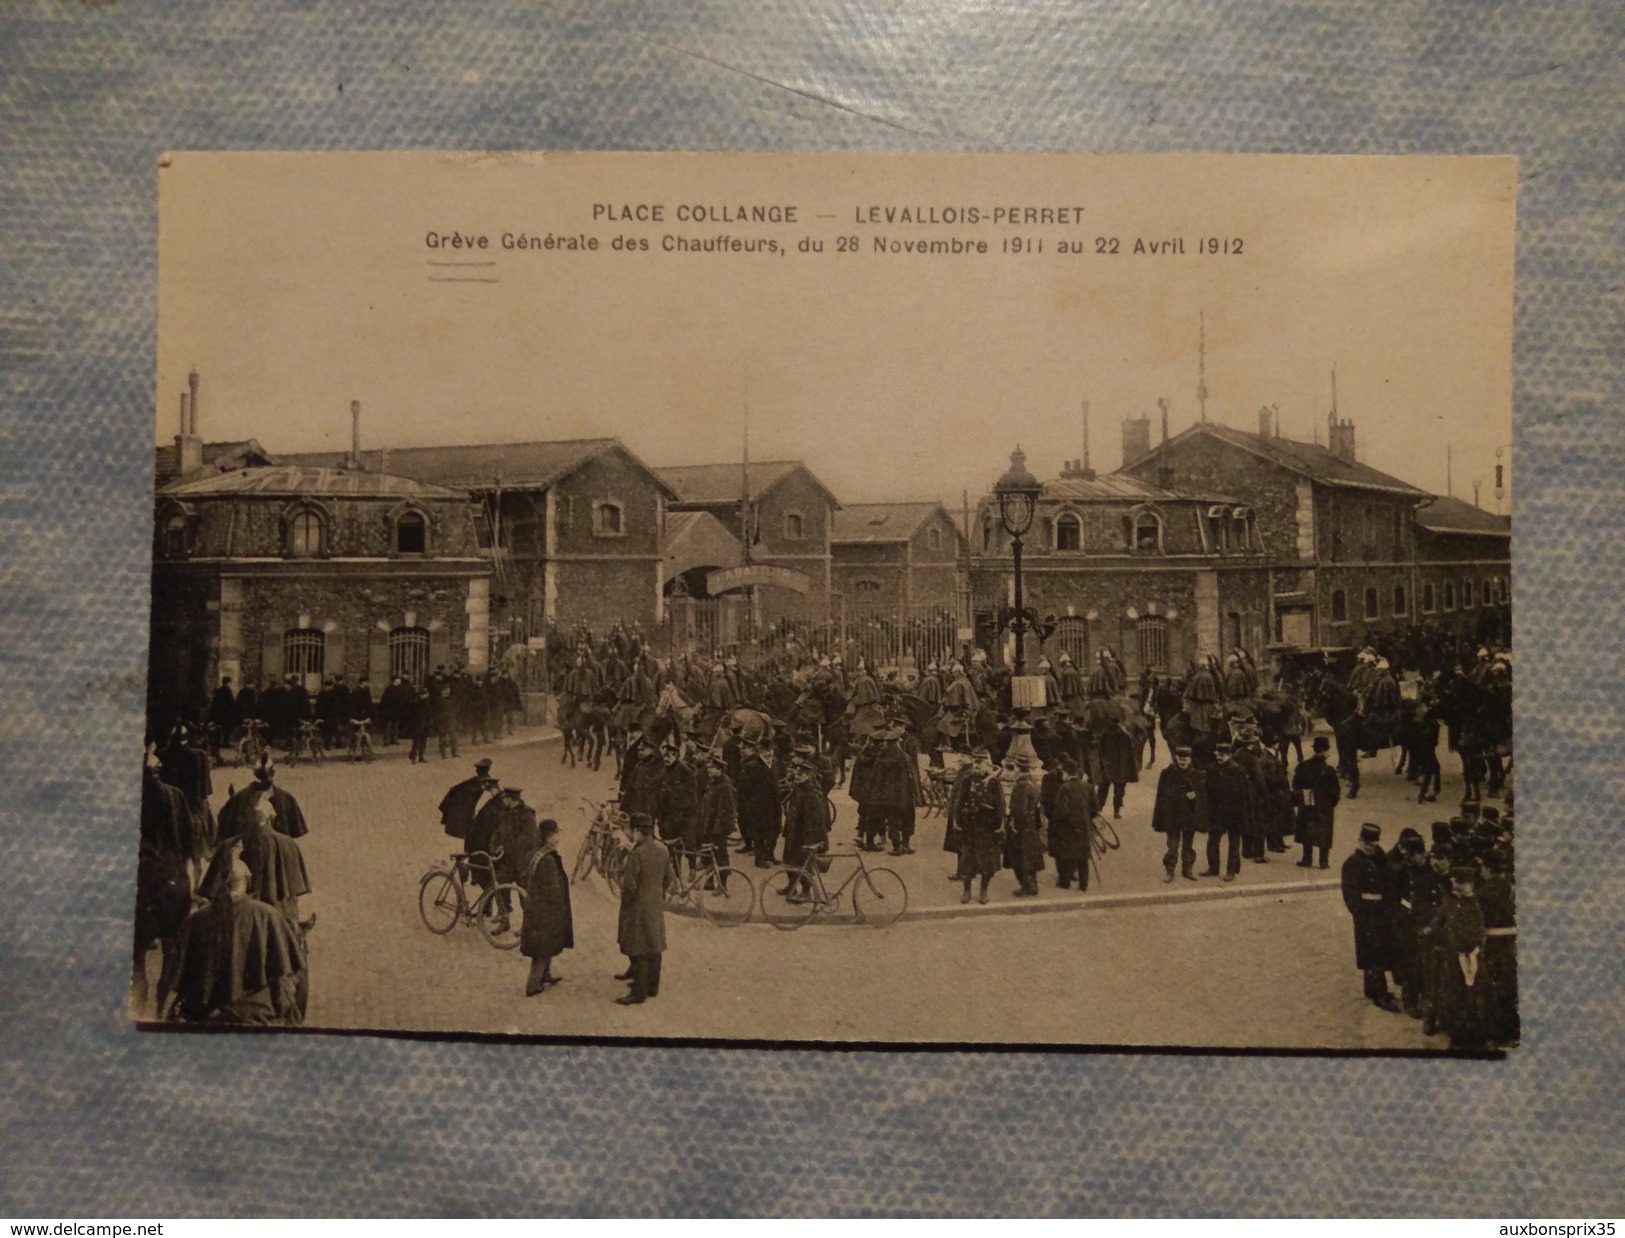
(306, 534)
(174, 539)
(1068, 533)
(1142, 530)
(411, 534)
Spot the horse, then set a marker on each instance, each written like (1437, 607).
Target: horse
(1281, 721)
(1337, 704)
(586, 731)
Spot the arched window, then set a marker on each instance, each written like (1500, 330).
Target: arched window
(1144, 529)
(1466, 594)
(795, 527)
(1429, 604)
(1371, 606)
(1152, 631)
(1449, 595)
(1340, 606)
(304, 653)
(607, 521)
(409, 654)
(1072, 638)
(175, 537)
(1400, 600)
(1068, 533)
(306, 533)
(933, 539)
(411, 533)
(866, 586)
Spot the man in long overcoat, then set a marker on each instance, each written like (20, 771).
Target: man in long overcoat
(1368, 893)
(1180, 813)
(549, 927)
(1026, 844)
(1070, 822)
(1315, 793)
(981, 822)
(891, 791)
(458, 805)
(1230, 808)
(641, 932)
(759, 812)
(719, 813)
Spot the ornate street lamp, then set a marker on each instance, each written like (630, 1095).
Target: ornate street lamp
(1018, 492)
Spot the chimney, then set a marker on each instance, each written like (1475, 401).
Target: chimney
(1136, 438)
(1341, 442)
(1165, 472)
(188, 446)
(1266, 423)
(353, 460)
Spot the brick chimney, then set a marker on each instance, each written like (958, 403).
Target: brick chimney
(188, 445)
(1339, 433)
(353, 459)
(1136, 438)
(1165, 470)
(1266, 422)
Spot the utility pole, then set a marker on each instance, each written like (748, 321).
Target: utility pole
(1201, 364)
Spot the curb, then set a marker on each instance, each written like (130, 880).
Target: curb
(1038, 907)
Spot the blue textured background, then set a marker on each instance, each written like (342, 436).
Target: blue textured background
(97, 1118)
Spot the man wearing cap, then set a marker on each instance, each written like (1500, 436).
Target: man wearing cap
(458, 806)
(677, 802)
(641, 929)
(1417, 892)
(980, 820)
(1180, 813)
(1368, 895)
(1203, 697)
(1070, 823)
(719, 812)
(1026, 843)
(806, 823)
(239, 811)
(1457, 934)
(891, 789)
(1230, 809)
(1315, 794)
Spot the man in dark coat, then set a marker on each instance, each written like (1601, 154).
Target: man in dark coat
(1070, 825)
(1116, 762)
(1247, 755)
(163, 882)
(759, 813)
(392, 710)
(458, 805)
(1229, 810)
(892, 789)
(952, 834)
(677, 802)
(1180, 813)
(719, 813)
(806, 823)
(417, 720)
(549, 927)
(1500, 961)
(222, 717)
(641, 929)
(239, 811)
(1026, 845)
(1315, 792)
(870, 823)
(641, 774)
(1368, 893)
(1458, 935)
(981, 825)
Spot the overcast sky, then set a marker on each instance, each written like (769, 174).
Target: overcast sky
(296, 283)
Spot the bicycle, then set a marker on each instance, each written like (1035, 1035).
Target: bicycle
(360, 740)
(444, 904)
(791, 895)
(252, 745)
(722, 896)
(308, 743)
(606, 846)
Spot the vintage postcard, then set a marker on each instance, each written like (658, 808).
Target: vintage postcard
(967, 599)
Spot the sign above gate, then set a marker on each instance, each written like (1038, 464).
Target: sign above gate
(757, 574)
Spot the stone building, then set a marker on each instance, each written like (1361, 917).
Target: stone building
(788, 525)
(1349, 552)
(1463, 570)
(1156, 573)
(897, 556)
(290, 569)
(574, 528)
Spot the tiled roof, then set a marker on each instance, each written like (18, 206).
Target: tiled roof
(297, 480)
(1452, 515)
(721, 483)
(1112, 487)
(698, 539)
(1309, 459)
(881, 522)
(479, 466)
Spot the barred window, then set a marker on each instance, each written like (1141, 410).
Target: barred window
(1152, 631)
(304, 653)
(409, 654)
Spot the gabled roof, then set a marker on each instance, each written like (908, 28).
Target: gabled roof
(1451, 515)
(299, 480)
(1306, 459)
(698, 539)
(483, 466)
(714, 484)
(877, 523)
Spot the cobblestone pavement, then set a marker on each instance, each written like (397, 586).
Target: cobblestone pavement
(1267, 969)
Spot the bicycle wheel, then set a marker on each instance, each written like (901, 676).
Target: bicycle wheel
(729, 902)
(880, 898)
(440, 900)
(584, 858)
(613, 863)
(500, 914)
(780, 911)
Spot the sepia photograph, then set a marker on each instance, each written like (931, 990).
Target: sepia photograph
(1020, 600)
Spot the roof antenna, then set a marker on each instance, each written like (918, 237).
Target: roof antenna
(1201, 364)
